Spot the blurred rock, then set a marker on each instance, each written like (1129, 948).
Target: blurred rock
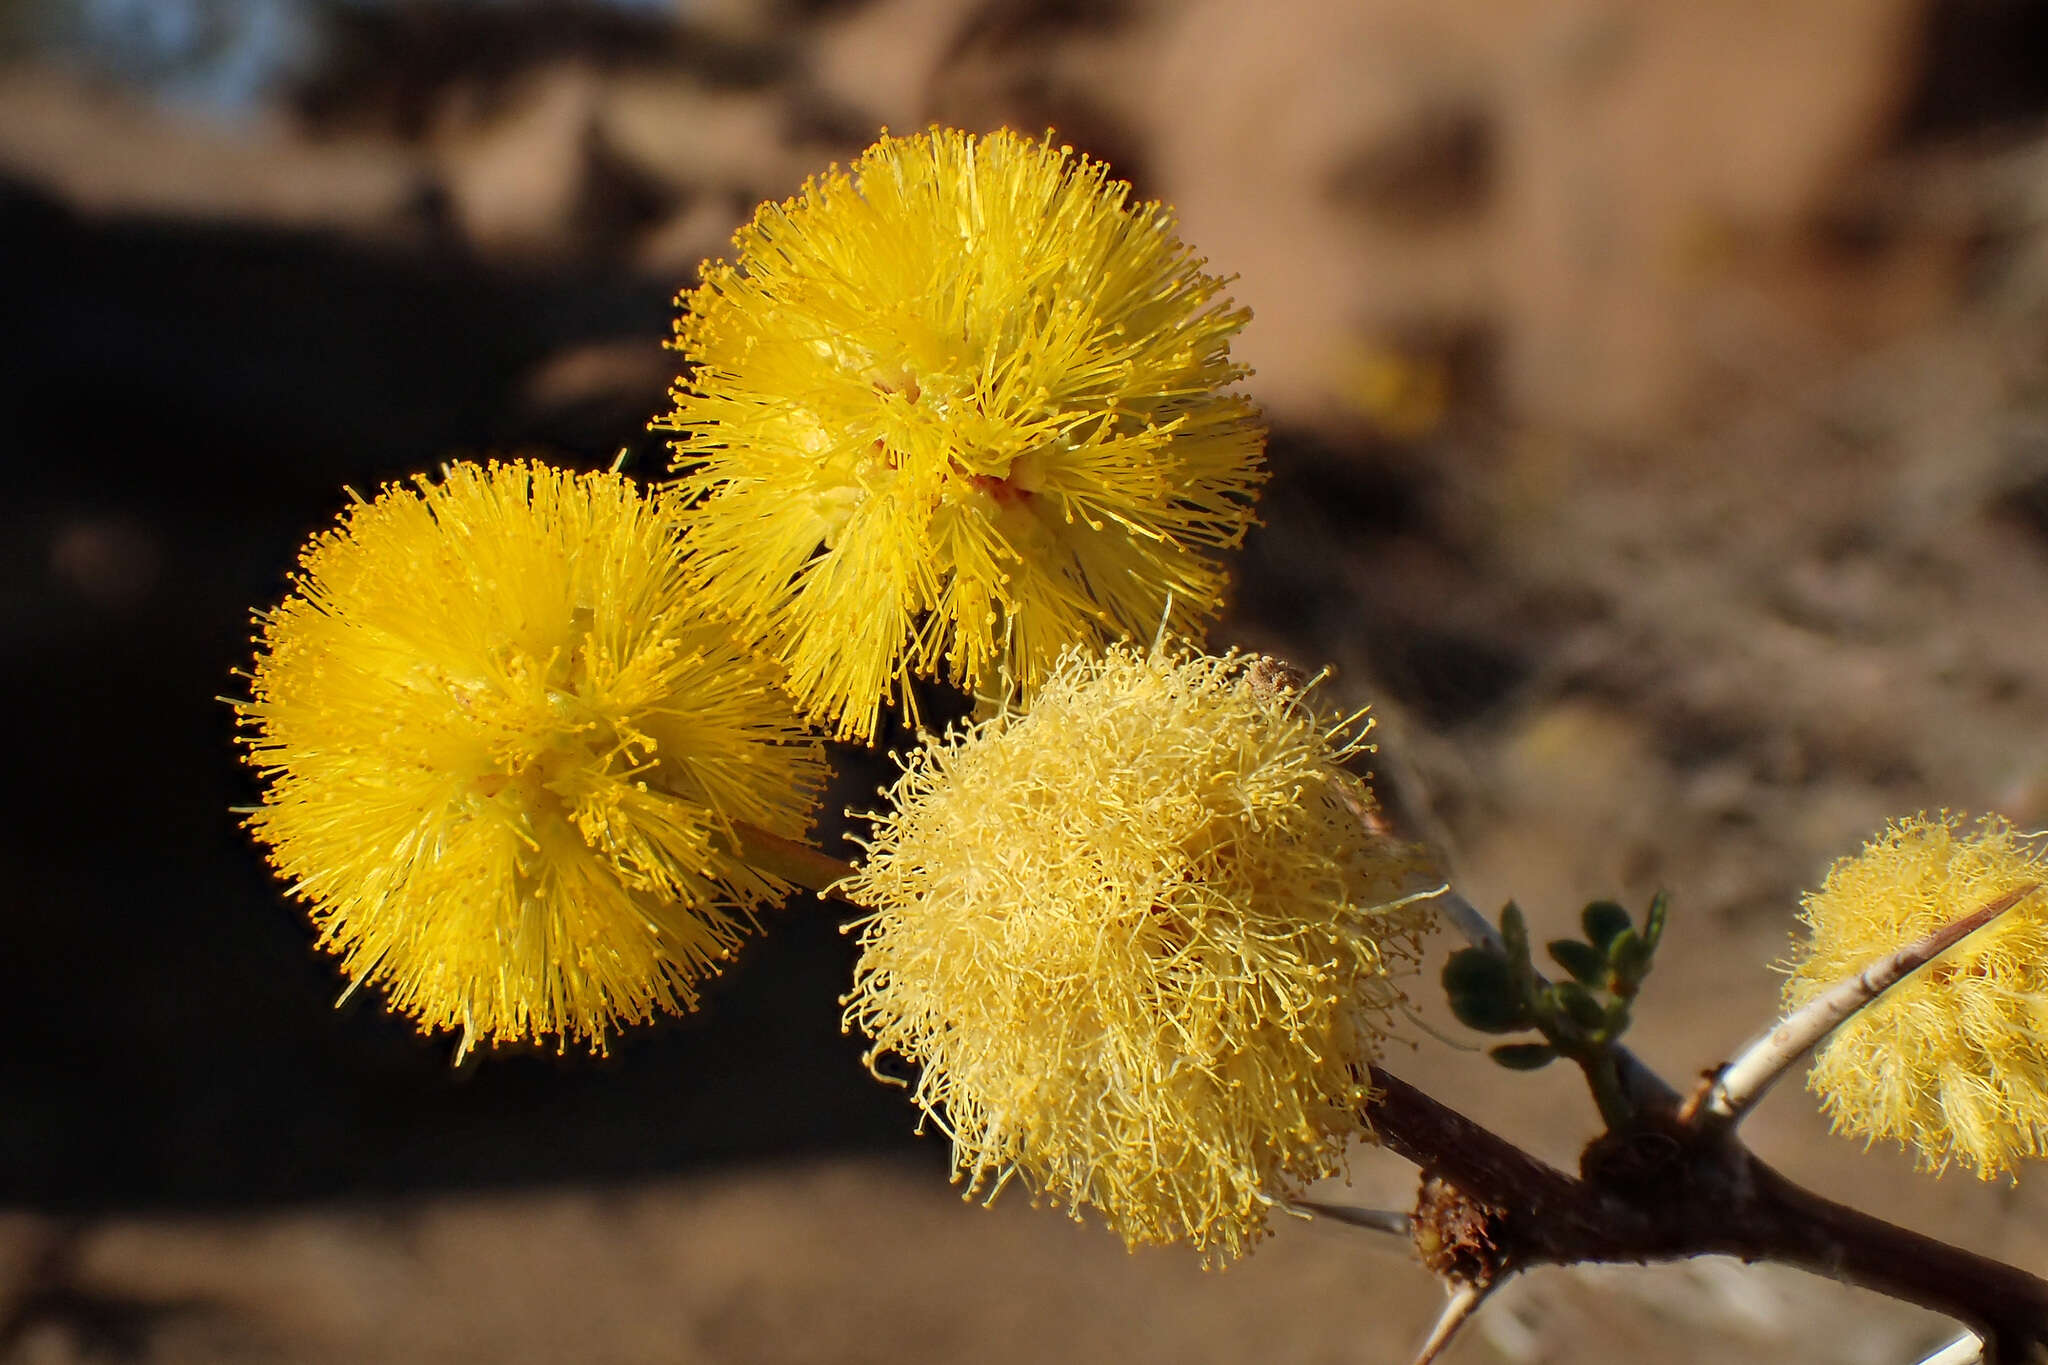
(104, 152)
(629, 375)
(1624, 133)
(221, 57)
(517, 172)
(110, 561)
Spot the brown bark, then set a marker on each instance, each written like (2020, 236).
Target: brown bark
(1662, 1190)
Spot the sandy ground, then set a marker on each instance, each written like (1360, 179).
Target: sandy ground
(1661, 446)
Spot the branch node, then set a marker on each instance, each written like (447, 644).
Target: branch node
(1453, 1234)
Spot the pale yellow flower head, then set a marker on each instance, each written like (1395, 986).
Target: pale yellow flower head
(954, 410)
(503, 747)
(1953, 1060)
(1140, 943)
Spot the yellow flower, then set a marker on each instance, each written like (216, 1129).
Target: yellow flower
(1954, 1059)
(1140, 942)
(503, 748)
(962, 405)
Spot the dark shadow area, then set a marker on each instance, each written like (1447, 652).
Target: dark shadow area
(1375, 565)
(181, 404)
(1005, 58)
(2026, 506)
(1981, 69)
(391, 65)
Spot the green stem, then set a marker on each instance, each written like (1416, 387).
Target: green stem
(1603, 1076)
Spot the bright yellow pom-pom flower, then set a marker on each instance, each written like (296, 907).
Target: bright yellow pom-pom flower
(1140, 942)
(959, 408)
(1953, 1060)
(504, 748)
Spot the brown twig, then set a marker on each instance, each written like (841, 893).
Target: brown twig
(1661, 1190)
(1657, 1189)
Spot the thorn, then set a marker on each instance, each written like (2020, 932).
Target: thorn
(1967, 1349)
(1390, 1221)
(1735, 1088)
(1465, 1301)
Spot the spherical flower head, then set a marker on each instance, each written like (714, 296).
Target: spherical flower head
(957, 409)
(1141, 943)
(1953, 1060)
(504, 749)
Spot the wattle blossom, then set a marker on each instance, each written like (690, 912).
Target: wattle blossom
(504, 750)
(1953, 1060)
(953, 410)
(1140, 943)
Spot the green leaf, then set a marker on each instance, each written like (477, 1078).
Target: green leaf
(1578, 1005)
(1586, 963)
(1653, 919)
(1514, 933)
(1628, 957)
(1602, 920)
(1524, 1056)
(1489, 1013)
(1476, 971)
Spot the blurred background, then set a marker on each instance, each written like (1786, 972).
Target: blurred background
(1660, 403)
